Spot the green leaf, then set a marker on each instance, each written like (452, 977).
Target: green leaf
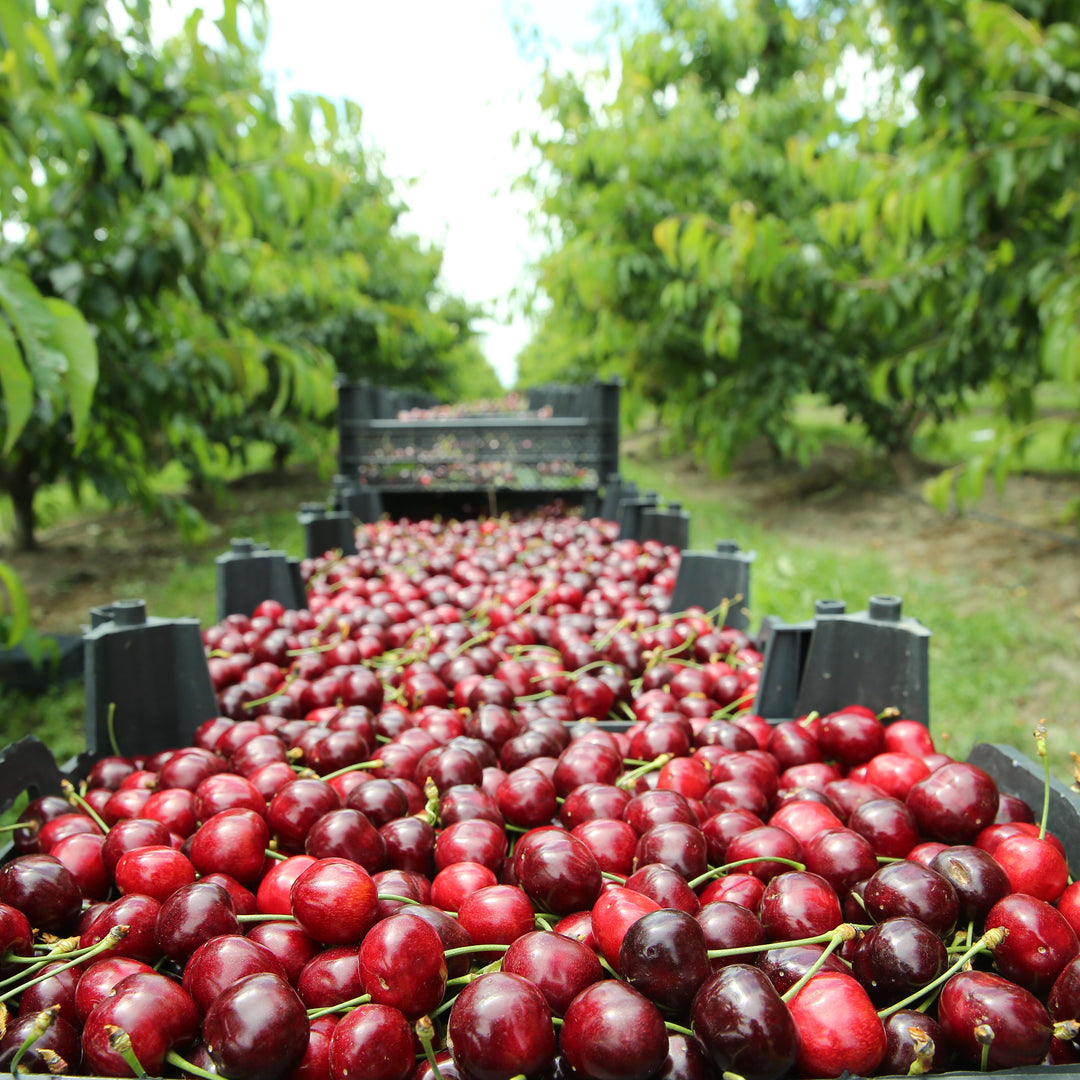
(144, 149)
(30, 317)
(16, 385)
(39, 42)
(72, 336)
(12, 24)
(1005, 161)
(666, 238)
(109, 142)
(16, 607)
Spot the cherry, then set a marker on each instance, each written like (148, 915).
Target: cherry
(616, 910)
(838, 1027)
(402, 965)
(909, 1036)
(452, 885)
(60, 1039)
(840, 856)
(557, 871)
(785, 966)
(1033, 866)
(500, 1027)
(44, 889)
(906, 888)
(81, 854)
(155, 1013)
(256, 1028)
(593, 800)
(129, 834)
(847, 794)
(851, 738)
(1038, 945)
(908, 737)
(192, 915)
(1019, 1023)
(410, 845)
(652, 808)
(612, 1029)
(496, 914)
(895, 957)
(231, 842)
(560, 966)
(896, 773)
(978, 879)
(888, 824)
(349, 835)
(331, 977)
(58, 987)
(797, 904)
(373, 1042)
(954, 802)
(222, 961)
(475, 840)
(764, 844)
(288, 943)
(334, 901)
(612, 843)
(663, 955)
(804, 818)
(140, 914)
(666, 886)
(745, 1028)
(676, 844)
(153, 871)
(744, 889)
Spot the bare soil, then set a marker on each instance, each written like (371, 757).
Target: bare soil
(1019, 540)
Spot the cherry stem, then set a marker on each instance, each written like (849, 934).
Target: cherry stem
(719, 871)
(363, 999)
(15, 825)
(111, 939)
(627, 780)
(746, 950)
(260, 916)
(987, 943)
(173, 1058)
(679, 1029)
(76, 799)
(272, 854)
(110, 727)
(425, 1032)
(376, 763)
(608, 876)
(468, 950)
(1040, 749)
(42, 1022)
(984, 1036)
(394, 896)
(844, 932)
(120, 1043)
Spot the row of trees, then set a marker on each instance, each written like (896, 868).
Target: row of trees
(186, 262)
(728, 228)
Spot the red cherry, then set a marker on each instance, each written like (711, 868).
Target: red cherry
(402, 965)
(613, 914)
(1034, 866)
(374, 1042)
(334, 901)
(839, 1028)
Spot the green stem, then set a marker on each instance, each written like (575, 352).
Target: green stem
(468, 950)
(109, 941)
(375, 764)
(719, 871)
(261, 917)
(272, 854)
(173, 1058)
(363, 999)
(76, 799)
(42, 1022)
(746, 950)
(120, 1043)
(425, 1032)
(987, 943)
(110, 727)
(394, 896)
(679, 1029)
(844, 932)
(627, 780)
(1040, 749)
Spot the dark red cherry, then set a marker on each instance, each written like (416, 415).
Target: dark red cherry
(663, 955)
(896, 957)
(954, 803)
(1038, 944)
(911, 1035)
(743, 1025)
(906, 888)
(561, 967)
(978, 879)
(374, 1042)
(402, 965)
(610, 1029)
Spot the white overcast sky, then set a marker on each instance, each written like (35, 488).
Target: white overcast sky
(443, 88)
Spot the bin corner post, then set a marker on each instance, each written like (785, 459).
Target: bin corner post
(606, 415)
(249, 573)
(710, 579)
(877, 657)
(147, 681)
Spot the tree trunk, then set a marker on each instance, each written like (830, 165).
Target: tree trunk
(281, 457)
(22, 488)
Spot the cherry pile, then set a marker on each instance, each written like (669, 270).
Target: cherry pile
(486, 809)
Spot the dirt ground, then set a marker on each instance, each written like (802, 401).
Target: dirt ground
(1019, 540)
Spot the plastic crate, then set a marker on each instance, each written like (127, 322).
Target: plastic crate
(60, 661)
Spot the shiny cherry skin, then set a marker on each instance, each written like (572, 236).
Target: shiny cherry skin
(402, 965)
(896, 957)
(616, 910)
(557, 871)
(192, 915)
(763, 845)
(612, 1029)
(905, 1033)
(44, 889)
(296, 807)
(372, 1041)
(840, 856)
(500, 1025)
(140, 914)
(334, 901)
(663, 955)
(888, 824)
(1019, 1021)
(954, 803)
(347, 834)
(798, 904)
(906, 888)
(561, 967)
(496, 914)
(257, 1028)
(743, 1025)
(1038, 944)
(222, 961)
(288, 943)
(1033, 866)
(153, 871)
(979, 880)
(667, 887)
(232, 842)
(838, 1027)
(786, 966)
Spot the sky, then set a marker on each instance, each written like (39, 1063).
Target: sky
(443, 87)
